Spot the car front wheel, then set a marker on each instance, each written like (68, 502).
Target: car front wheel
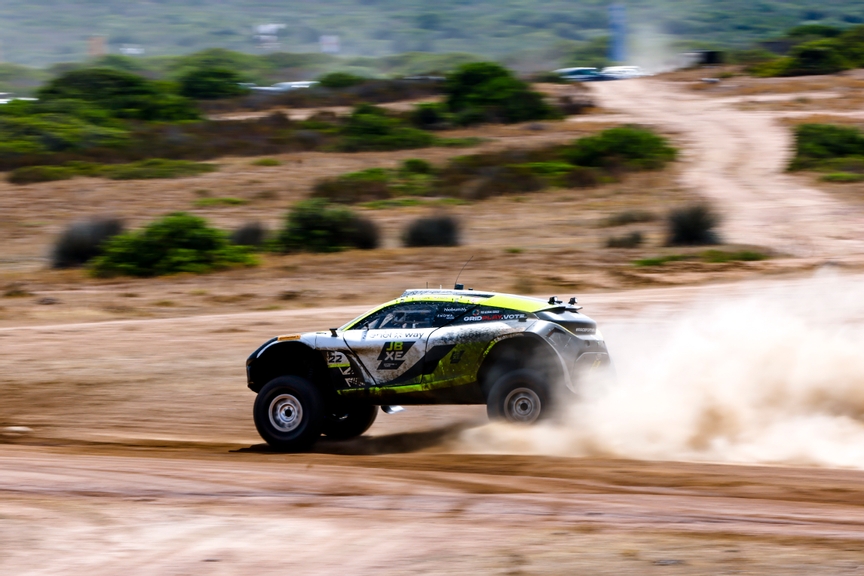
(289, 413)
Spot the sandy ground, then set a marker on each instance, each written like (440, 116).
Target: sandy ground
(127, 444)
(129, 447)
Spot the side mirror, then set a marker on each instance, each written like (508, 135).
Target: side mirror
(333, 332)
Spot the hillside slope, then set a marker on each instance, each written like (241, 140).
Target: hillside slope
(46, 31)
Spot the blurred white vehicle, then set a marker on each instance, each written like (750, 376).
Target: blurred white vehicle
(285, 86)
(580, 74)
(623, 72)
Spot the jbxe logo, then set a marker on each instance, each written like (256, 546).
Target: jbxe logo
(392, 355)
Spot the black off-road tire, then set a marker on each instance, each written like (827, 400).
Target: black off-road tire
(289, 413)
(520, 397)
(350, 422)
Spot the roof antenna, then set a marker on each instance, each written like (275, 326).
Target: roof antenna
(458, 286)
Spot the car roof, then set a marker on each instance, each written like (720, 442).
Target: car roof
(472, 298)
(475, 297)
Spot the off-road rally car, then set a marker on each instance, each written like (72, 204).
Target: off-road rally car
(518, 355)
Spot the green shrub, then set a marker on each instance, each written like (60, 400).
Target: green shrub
(629, 217)
(176, 243)
(363, 186)
(842, 177)
(125, 95)
(35, 174)
(816, 57)
(316, 226)
(143, 170)
(816, 143)
(32, 128)
(211, 83)
(369, 128)
(692, 226)
(223, 201)
(156, 168)
(488, 92)
(340, 80)
(417, 166)
(432, 231)
(661, 260)
(82, 241)
(430, 116)
(637, 148)
(253, 234)
(631, 240)
(267, 162)
(720, 256)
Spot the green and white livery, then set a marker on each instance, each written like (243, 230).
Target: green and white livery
(515, 354)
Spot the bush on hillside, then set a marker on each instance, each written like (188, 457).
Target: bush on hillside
(125, 95)
(340, 80)
(156, 168)
(82, 241)
(430, 116)
(143, 170)
(440, 230)
(637, 148)
(176, 243)
(485, 91)
(363, 186)
(253, 234)
(316, 226)
(417, 166)
(370, 128)
(816, 144)
(36, 174)
(816, 57)
(211, 83)
(692, 226)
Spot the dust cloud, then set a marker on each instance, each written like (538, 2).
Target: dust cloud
(772, 376)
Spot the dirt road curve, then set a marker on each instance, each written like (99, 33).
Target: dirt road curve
(737, 160)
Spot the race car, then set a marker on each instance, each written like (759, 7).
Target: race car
(520, 356)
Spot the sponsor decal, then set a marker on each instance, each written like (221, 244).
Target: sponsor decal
(495, 316)
(392, 355)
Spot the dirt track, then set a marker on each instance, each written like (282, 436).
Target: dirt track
(159, 471)
(737, 159)
(141, 457)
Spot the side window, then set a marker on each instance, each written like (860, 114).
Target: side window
(404, 316)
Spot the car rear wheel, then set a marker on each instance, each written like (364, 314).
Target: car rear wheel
(289, 413)
(519, 397)
(350, 423)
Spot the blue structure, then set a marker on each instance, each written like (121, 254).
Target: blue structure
(618, 30)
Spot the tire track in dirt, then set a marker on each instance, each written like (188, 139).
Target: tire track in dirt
(737, 160)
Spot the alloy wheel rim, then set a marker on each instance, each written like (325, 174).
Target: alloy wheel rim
(522, 406)
(286, 412)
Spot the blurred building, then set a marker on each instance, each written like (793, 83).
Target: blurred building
(96, 46)
(329, 44)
